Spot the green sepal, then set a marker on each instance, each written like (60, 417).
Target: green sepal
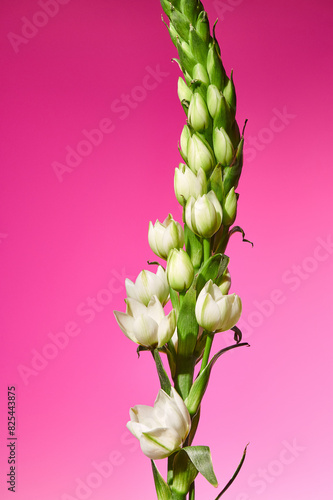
(180, 23)
(187, 61)
(191, 9)
(187, 326)
(166, 6)
(193, 247)
(216, 183)
(234, 476)
(162, 374)
(174, 298)
(198, 47)
(201, 458)
(212, 269)
(215, 67)
(229, 92)
(163, 490)
(199, 386)
(141, 348)
(232, 173)
(202, 27)
(224, 117)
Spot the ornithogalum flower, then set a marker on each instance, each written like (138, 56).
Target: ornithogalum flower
(146, 325)
(215, 311)
(180, 270)
(204, 214)
(164, 237)
(163, 428)
(148, 284)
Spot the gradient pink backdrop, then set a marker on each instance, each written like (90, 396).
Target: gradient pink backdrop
(62, 243)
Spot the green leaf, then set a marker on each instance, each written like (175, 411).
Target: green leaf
(201, 458)
(187, 326)
(199, 387)
(193, 245)
(198, 47)
(184, 473)
(162, 374)
(212, 269)
(216, 183)
(163, 491)
(234, 476)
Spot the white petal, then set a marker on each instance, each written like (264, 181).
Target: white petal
(145, 330)
(130, 289)
(155, 309)
(183, 410)
(126, 324)
(135, 308)
(207, 312)
(166, 328)
(160, 443)
(144, 415)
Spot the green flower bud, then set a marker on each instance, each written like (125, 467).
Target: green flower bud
(164, 237)
(199, 154)
(214, 98)
(215, 68)
(184, 92)
(188, 184)
(230, 208)
(202, 26)
(181, 24)
(229, 93)
(224, 282)
(186, 58)
(204, 214)
(198, 115)
(185, 135)
(223, 147)
(180, 270)
(199, 48)
(200, 73)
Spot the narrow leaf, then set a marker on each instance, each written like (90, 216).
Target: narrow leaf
(238, 229)
(162, 374)
(212, 269)
(162, 489)
(238, 334)
(193, 246)
(199, 387)
(235, 474)
(187, 326)
(200, 457)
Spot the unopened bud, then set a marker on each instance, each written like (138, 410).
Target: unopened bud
(223, 147)
(199, 154)
(214, 98)
(184, 92)
(188, 184)
(204, 214)
(200, 73)
(198, 115)
(180, 270)
(230, 208)
(185, 135)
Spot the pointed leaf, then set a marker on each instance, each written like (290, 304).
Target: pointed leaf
(199, 387)
(187, 326)
(184, 473)
(162, 489)
(238, 229)
(200, 457)
(162, 374)
(234, 476)
(212, 269)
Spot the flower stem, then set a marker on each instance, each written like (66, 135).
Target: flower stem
(191, 494)
(206, 248)
(208, 346)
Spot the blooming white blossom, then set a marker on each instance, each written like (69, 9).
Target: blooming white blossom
(204, 214)
(163, 428)
(148, 284)
(166, 236)
(146, 325)
(215, 311)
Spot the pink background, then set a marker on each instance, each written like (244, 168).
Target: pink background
(66, 243)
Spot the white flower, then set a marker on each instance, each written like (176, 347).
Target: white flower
(215, 311)
(188, 184)
(146, 325)
(214, 98)
(204, 214)
(148, 284)
(224, 283)
(161, 429)
(198, 116)
(164, 237)
(180, 270)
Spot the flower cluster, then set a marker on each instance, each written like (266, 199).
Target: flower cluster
(194, 275)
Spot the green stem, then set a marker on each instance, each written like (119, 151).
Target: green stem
(208, 346)
(206, 248)
(191, 494)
